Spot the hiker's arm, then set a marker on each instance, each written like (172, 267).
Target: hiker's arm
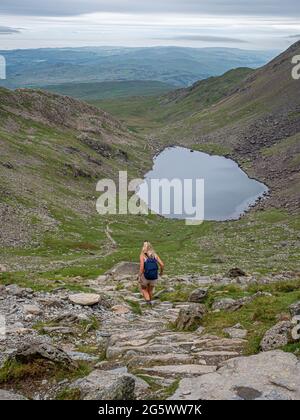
(142, 265)
(161, 264)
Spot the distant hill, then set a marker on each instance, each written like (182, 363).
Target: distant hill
(172, 65)
(110, 90)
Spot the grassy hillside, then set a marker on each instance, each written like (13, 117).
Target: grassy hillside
(142, 113)
(110, 90)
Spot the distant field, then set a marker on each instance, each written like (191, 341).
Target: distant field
(110, 90)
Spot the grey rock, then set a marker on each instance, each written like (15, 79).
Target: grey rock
(235, 272)
(198, 295)
(180, 370)
(190, 317)
(124, 269)
(10, 396)
(41, 350)
(271, 375)
(106, 385)
(85, 299)
(277, 336)
(228, 304)
(295, 308)
(76, 355)
(236, 332)
(223, 304)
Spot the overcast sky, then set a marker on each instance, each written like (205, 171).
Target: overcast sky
(247, 24)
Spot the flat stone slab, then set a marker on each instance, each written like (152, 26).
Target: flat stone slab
(273, 375)
(85, 299)
(163, 359)
(10, 396)
(181, 370)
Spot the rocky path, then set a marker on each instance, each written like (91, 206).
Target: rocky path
(129, 349)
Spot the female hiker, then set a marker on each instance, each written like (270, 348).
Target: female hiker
(149, 266)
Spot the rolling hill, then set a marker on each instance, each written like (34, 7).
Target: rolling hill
(172, 65)
(110, 90)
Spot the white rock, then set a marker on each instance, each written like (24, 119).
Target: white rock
(85, 299)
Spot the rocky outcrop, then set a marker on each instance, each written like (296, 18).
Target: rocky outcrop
(190, 317)
(277, 336)
(267, 376)
(105, 385)
(42, 350)
(198, 295)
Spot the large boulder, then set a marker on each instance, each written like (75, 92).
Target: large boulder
(106, 385)
(42, 350)
(277, 336)
(271, 375)
(190, 317)
(10, 396)
(236, 272)
(85, 299)
(198, 295)
(124, 269)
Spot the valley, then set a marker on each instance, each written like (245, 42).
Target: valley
(230, 287)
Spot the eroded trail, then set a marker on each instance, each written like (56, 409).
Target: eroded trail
(111, 345)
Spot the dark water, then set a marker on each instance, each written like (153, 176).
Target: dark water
(229, 192)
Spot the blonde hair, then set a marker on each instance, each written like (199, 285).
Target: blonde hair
(148, 250)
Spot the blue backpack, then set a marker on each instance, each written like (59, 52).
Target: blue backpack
(151, 269)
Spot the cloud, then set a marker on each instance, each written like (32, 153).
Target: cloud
(222, 7)
(206, 38)
(5, 30)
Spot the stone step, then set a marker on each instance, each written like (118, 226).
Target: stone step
(163, 359)
(180, 371)
(216, 357)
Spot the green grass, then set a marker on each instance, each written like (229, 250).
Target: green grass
(256, 317)
(252, 243)
(135, 306)
(13, 372)
(109, 90)
(69, 394)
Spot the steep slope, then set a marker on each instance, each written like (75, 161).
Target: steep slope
(258, 123)
(176, 105)
(54, 149)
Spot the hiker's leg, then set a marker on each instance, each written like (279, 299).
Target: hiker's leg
(144, 288)
(145, 293)
(151, 291)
